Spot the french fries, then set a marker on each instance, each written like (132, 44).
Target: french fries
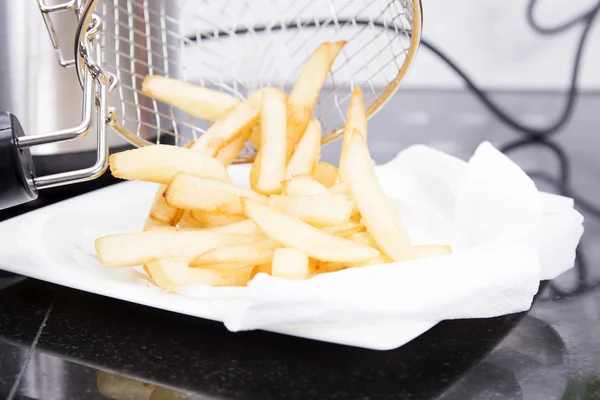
(290, 264)
(245, 226)
(299, 217)
(236, 257)
(333, 266)
(320, 210)
(132, 249)
(355, 119)
(292, 232)
(345, 230)
(239, 120)
(306, 89)
(377, 212)
(172, 273)
(229, 153)
(160, 164)
(212, 219)
(303, 185)
(255, 137)
(190, 193)
(271, 164)
(162, 214)
(306, 154)
(325, 173)
(197, 101)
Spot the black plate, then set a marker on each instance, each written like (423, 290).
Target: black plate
(199, 356)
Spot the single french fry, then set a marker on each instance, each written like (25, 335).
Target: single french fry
(245, 226)
(187, 222)
(292, 232)
(364, 238)
(239, 121)
(195, 100)
(356, 118)
(230, 152)
(255, 172)
(224, 131)
(162, 214)
(272, 144)
(255, 136)
(190, 193)
(160, 164)
(306, 89)
(346, 229)
(325, 173)
(214, 220)
(307, 152)
(331, 266)
(131, 249)
(172, 273)
(303, 185)
(320, 210)
(428, 251)
(377, 212)
(290, 264)
(338, 188)
(235, 257)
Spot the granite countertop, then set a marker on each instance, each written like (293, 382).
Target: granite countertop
(59, 343)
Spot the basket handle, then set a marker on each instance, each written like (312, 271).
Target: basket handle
(47, 11)
(16, 166)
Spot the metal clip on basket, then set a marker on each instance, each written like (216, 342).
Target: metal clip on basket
(234, 46)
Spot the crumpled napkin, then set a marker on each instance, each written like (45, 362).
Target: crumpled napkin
(506, 237)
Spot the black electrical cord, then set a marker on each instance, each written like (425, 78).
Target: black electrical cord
(587, 19)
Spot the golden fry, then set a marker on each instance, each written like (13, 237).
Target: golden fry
(307, 88)
(292, 232)
(331, 266)
(235, 257)
(346, 229)
(378, 214)
(195, 100)
(172, 273)
(214, 220)
(238, 121)
(325, 173)
(356, 118)
(190, 193)
(303, 185)
(271, 164)
(306, 155)
(160, 164)
(290, 264)
(320, 210)
(162, 214)
(132, 249)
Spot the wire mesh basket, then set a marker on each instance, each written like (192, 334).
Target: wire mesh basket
(234, 46)
(241, 46)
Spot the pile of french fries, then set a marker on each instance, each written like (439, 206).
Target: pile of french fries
(299, 216)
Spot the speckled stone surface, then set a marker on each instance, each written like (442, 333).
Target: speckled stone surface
(92, 347)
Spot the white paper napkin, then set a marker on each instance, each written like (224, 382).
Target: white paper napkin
(506, 236)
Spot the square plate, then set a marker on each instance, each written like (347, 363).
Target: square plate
(55, 244)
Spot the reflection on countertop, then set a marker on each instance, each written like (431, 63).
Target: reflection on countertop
(58, 343)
